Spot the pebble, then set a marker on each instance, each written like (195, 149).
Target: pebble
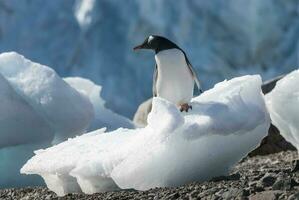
(268, 179)
(266, 195)
(294, 196)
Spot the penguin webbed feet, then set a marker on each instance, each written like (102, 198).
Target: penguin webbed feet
(185, 107)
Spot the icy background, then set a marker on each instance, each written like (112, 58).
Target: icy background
(94, 39)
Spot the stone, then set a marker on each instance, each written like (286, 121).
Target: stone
(173, 196)
(268, 179)
(295, 167)
(272, 143)
(232, 193)
(232, 177)
(294, 196)
(284, 183)
(266, 195)
(270, 84)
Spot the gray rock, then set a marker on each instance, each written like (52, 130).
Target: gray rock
(48, 197)
(272, 143)
(295, 167)
(232, 193)
(270, 84)
(268, 179)
(173, 196)
(266, 195)
(294, 196)
(284, 183)
(232, 177)
(193, 194)
(208, 192)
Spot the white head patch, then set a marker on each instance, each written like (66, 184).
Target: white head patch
(150, 38)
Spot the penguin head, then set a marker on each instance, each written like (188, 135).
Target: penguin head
(156, 43)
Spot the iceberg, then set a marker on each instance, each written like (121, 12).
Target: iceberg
(282, 103)
(175, 148)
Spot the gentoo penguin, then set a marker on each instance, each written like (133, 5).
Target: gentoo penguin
(174, 76)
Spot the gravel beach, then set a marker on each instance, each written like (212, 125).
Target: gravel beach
(259, 177)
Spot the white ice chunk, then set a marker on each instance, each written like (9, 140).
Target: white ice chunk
(225, 124)
(19, 123)
(283, 105)
(103, 116)
(66, 111)
(61, 184)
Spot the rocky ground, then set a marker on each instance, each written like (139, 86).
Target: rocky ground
(259, 177)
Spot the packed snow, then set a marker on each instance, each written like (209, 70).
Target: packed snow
(225, 124)
(283, 105)
(38, 109)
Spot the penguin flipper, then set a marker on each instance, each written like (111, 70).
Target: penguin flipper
(155, 77)
(195, 79)
(194, 76)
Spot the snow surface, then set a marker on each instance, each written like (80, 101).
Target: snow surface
(94, 39)
(39, 109)
(225, 124)
(283, 105)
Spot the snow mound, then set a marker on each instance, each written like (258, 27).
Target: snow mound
(283, 105)
(174, 148)
(103, 116)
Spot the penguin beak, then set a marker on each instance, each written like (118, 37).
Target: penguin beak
(138, 47)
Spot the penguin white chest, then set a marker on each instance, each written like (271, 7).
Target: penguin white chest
(174, 81)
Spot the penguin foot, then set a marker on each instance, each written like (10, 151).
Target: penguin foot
(185, 107)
